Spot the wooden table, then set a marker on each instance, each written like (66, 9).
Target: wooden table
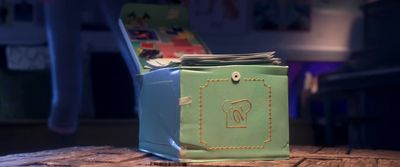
(96, 156)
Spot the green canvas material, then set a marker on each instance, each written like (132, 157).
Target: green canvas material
(211, 127)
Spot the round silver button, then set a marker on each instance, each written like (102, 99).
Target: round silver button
(235, 76)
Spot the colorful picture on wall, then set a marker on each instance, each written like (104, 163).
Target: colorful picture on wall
(138, 34)
(219, 16)
(339, 5)
(282, 15)
(160, 32)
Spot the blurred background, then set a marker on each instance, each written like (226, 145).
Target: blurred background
(344, 73)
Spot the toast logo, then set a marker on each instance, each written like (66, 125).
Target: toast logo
(236, 112)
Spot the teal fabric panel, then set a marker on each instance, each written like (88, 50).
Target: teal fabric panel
(160, 115)
(138, 67)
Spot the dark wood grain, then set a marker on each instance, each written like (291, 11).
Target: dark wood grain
(385, 154)
(318, 163)
(355, 162)
(304, 149)
(388, 163)
(110, 156)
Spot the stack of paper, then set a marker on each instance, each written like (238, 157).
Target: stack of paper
(215, 60)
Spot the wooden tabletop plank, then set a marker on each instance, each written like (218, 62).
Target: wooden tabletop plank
(111, 156)
(333, 150)
(42, 156)
(319, 163)
(304, 149)
(381, 154)
(356, 162)
(151, 161)
(388, 163)
(289, 162)
(98, 158)
(322, 153)
(48, 153)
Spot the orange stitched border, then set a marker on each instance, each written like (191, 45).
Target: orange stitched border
(269, 114)
(236, 147)
(201, 114)
(269, 99)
